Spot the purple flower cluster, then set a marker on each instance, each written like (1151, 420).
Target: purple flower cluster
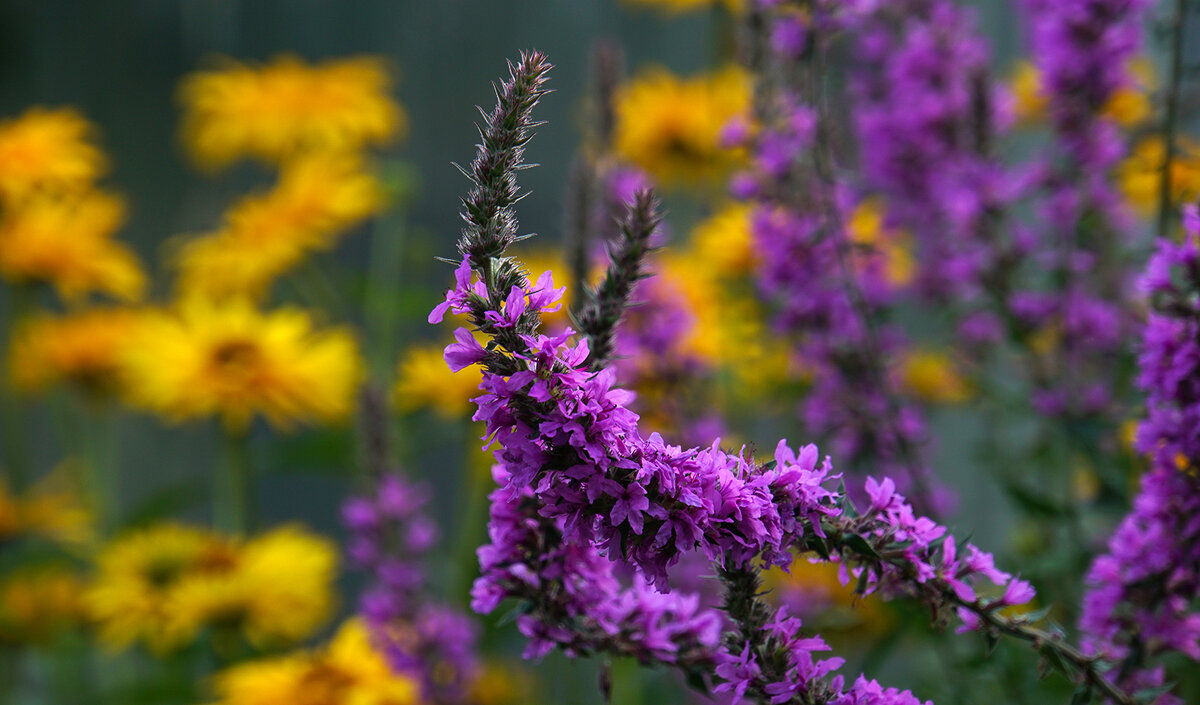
(924, 120)
(1141, 593)
(585, 495)
(1082, 49)
(579, 603)
(848, 396)
(830, 296)
(581, 485)
(390, 536)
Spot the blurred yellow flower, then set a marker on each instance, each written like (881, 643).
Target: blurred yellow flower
(10, 513)
(164, 584)
(424, 381)
(875, 243)
(678, 6)
(931, 376)
(729, 330)
(37, 603)
(54, 508)
(47, 150)
(671, 127)
(1140, 174)
(68, 242)
(814, 592)
(348, 671)
(131, 594)
(231, 360)
(724, 241)
(287, 107)
(83, 348)
(1132, 105)
(315, 201)
(1128, 106)
(276, 590)
(500, 684)
(1029, 99)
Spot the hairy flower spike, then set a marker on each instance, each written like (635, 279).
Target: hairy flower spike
(491, 223)
(599, 319)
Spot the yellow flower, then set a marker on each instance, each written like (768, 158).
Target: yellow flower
(47, 150)
(1029, 98)
(54, 508)
(234, 361)
(82, 348)
(424, 380)
(349, 671)
(68, 243)
(1128, 106)
(373, 680)
(1132, 105)
(832, 606)
(277, 589)
(10, 513)
(1140, 174)
(729, 328)
(132, 592)
(930, 376)
(678, 6)
(725, 242)
(499, 684)
(287, 107)
(164, 584)
(671, 127)
(38, 603)
(286, 680)
(315, 201)
(893, 248)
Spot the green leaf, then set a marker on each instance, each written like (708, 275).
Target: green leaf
(861, 546)
(993, 640)
(845, 504)
(860, 587)
(1082, 695)
(1034, 504)
(1052, 658)
(817, 544)
(1034, 616)
(1149, 695)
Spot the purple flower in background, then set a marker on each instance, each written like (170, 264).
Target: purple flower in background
(390, 536)
(1140, 600)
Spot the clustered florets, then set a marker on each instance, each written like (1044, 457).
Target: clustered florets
(391, 537)
(1140, 596)
(583, 487)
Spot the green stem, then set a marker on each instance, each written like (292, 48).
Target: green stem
(12, 671)
(1172, 116)
(231, 487)
(383, 291)
(471, 527)
(627, 684)
(99, 450)
(13, 434)
(317, 290)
